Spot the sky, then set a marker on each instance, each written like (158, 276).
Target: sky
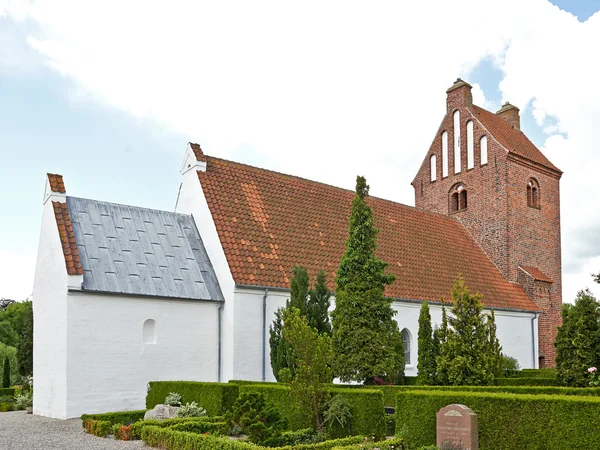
(109, 93)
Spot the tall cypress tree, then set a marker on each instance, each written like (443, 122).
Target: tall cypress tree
(578, 340)
(318, 305)
(366, 341)
(426, 365)
(6, 373)
(299, 294)
(464, 356)
(494, 348)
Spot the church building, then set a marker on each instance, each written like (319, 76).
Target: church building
(125, 295)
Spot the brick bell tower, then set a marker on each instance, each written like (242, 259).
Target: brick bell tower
(482, 170)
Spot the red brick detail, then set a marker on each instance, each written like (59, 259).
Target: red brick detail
(537, 274)
(56, 183)
(67, 238)
(498, 217)
(268, 222)
(197, 151)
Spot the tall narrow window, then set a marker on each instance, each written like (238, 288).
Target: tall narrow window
(457, 142)
(533, 193)
(149, 332)
(457, 198)
(483, 150)
(444, 154)
(406, 341)
(433, 167)
(470, 147)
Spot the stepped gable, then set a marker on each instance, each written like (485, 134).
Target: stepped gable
(269, 222)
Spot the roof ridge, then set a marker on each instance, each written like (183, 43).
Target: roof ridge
(128, 206)
(332, 186)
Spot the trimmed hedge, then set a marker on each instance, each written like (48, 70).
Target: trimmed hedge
(6, 406)
(100, 428)
(137, 427)
(532, 390)
(7, 392)
(389, 444)
(216, 398)
(366, 405)
(527, 381)
(115, 418)
(169, 439)
(506, 421)
(536, 373)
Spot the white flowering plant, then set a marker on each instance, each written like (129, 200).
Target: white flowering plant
(594, 378)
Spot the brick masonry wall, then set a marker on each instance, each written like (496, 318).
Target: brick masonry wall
(497, 216)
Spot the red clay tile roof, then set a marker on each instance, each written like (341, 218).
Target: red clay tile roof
(269, 222)
(56, 183)
(67, 238)
(537, 274)
(197, 151)
(513, 140)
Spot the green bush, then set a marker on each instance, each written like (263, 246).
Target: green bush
(101, 428)
(6, 406)
(255, 417)
(198, 427)
(366, 406)
(536, 373)
(506, 421)
(390, 424)
(191, 410)
(216, 398)
(115, 418)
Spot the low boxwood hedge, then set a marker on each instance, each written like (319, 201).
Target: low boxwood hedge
(216, 398)
(115, 418)
(533, 390)
(536, 373)
(7, 392)
(506, 421)
(527, 381)
(137, 427)
(101, 428)
(169, 439)
(366, 406)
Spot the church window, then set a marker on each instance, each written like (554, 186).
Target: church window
(458, 198)
(533, 193)
(457, 167)
(433, 167)
(483, 150)
(406, 341)
(149, 331)
(444, 154)
(470, 147)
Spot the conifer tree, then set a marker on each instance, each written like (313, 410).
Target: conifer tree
(318, 305)
(578, 340)
(494, 348)
(366, 341)
(299, 294)
(465, 350)
(6, 373)
(426, 364)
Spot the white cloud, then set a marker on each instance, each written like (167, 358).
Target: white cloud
(326, 89)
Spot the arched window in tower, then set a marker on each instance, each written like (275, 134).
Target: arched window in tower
(533, 193)
(458, 198)
(149, 331)
(470, 146)
(406, 341)
(483, 153)
(457, 162)
(444, 154)
(433, 167)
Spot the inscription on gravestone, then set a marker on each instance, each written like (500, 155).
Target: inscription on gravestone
(457, 424)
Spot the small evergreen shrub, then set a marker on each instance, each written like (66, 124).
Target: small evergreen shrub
(510, 366)
(191, 410)
(115, 418)
(100, 428)
(253, 416)
(337, 416)
(287, 438)
(173, 399)
(122, 432)
(24, 400)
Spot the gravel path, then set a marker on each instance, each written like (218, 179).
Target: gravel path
(22, 431)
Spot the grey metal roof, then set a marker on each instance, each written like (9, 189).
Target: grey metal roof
(139, 251)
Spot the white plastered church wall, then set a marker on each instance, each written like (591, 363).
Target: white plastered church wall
(191, 200)
(50, 318)
(109, 364)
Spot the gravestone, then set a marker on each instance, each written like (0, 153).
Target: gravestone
(457, 424)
